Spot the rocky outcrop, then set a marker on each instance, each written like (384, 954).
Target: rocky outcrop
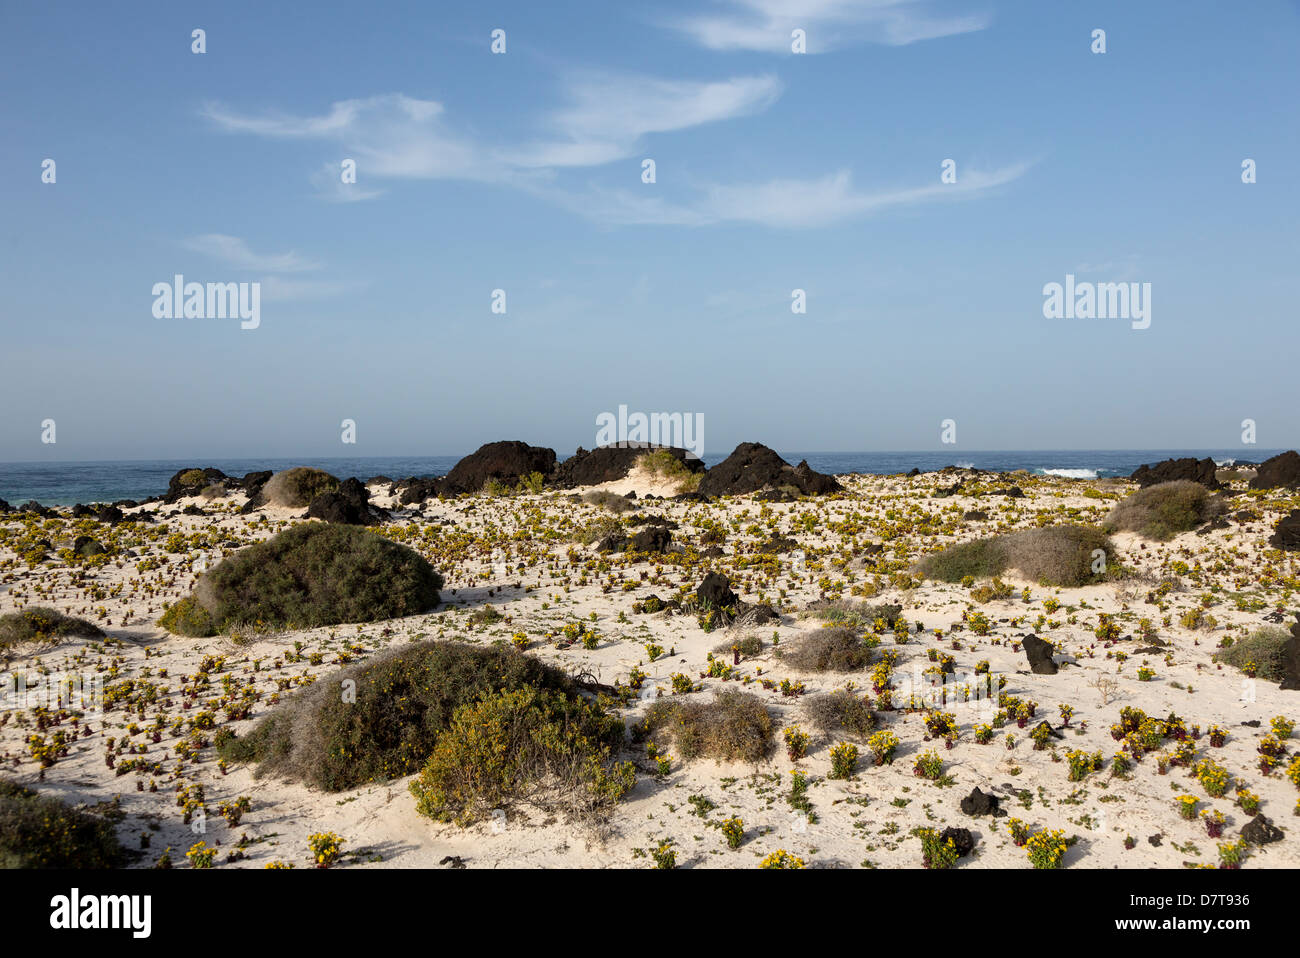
(1282, 470)
(1194, 470)
(349, 505)
(504, 461)
(190, 482)
(1287, 534)
(753, 467)
(611, 463)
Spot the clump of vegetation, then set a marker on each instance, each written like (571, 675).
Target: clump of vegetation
(833, 649)
(404, 699)
(521, 745)
(1164, 510)
(310, 575)
(735, 726)
(1063, 555)
(661, 462)
(840, 712)
(298, 487)
(39, 624)
(38, 831)
(609, 500)
(1262, 649)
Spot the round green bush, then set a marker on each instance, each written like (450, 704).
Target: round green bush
(298, 486)
(37, 831)
(311, 575)
(399, 703)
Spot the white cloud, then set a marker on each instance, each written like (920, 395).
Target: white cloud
(766, 25)
(393, 136)
(235, 252)
(608, 115)
(780, 203)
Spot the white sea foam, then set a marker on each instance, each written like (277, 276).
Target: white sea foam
(1069, 473)
(1225, 463)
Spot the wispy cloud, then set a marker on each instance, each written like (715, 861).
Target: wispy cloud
(605, 118)
(767, 25)
(234, 251)
(781, 203)
(608, 115)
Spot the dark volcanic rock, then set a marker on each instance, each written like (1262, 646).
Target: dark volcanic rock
(753, 467)
(1039, 653)
(654, 538)
(979, 803)
(1282, 470)
(1260, 830)
(962, 839)
(614, 542)
(1287, 534)
(417, 490)
(611, 463)
(503, 461)
(777, 545)
(35, 507)
(715, 592)
(176, 489)
(1195, 470)
(1291, 659)
(350, 505)
(4, 507)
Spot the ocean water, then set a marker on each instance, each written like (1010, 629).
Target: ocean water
(66, 483)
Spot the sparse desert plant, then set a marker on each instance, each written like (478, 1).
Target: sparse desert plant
(325, 848)
(733, 829)
(297, 487)
(1164, 510)
(928, 765)
(844, 760)
(311, 575)
(1282, 727)
(611, 502)
(735, 726)
(832, 649)
(1213, 778)
(1186, 805)
(883, 744)
(937, 852)
(796, 742)
(1046, 849)
(781, 859)
(839, 712)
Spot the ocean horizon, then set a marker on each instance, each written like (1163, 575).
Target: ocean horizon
(55, 483)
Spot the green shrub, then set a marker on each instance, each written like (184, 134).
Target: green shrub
(1164, 510)
(1055, 555)
(661, 462)
(735, 726)
(405, 699)
(38, 831)
(522, 744)
(311, 575)
(833, 649)
(187, 617)
(38, 624)
(1263, 647)
(298, 486)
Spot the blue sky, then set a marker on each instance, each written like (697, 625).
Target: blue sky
(523, 171)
